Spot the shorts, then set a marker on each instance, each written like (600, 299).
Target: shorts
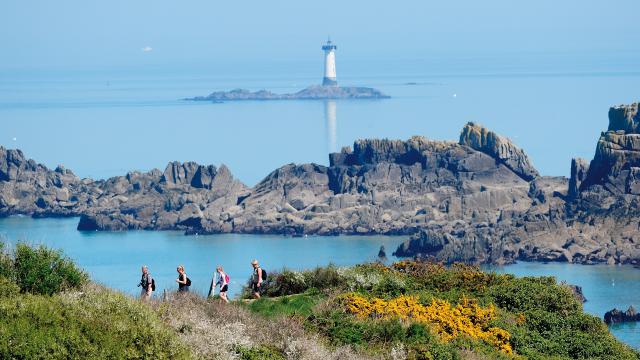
(256, 288)
(224, 288)
(184, 288)
(143, 293)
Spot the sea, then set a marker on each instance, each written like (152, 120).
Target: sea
(108, 121)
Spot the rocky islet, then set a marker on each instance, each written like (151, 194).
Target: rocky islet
(475, 200)
(314, 92)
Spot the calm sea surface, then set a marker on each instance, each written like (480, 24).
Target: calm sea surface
(105, 123)
(114, 259)
(102, 123)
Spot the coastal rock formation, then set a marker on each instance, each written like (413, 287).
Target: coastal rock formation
(500, 148)
(592, 218)
(476, 200)
(615, 316)
(314, 92)
(27, 187)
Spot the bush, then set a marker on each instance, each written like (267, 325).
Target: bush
(95, 324)
(323, 278)
(8, 288)
(41, 270)
(290, 282)
(539, 293)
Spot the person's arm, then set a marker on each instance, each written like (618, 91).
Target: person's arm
(149, 281)
(259, 276)
(184, 282)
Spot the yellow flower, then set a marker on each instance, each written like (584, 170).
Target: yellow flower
(448, 322)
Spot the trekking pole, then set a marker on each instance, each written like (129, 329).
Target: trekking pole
(211, 288)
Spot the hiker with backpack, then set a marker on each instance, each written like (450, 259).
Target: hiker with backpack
(223, 282)
(258, 277)
(147, 283)
(183, 280)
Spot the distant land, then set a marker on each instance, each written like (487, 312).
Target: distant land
(328, 90)
(314, 92)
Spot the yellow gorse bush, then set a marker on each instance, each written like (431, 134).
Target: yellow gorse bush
(447, 321)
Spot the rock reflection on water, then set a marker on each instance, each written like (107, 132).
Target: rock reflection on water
(332, 125)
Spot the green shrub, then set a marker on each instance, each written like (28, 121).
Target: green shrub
(41, 270)
(539, 293)
(323, 278)
(95, 324)
(286, 282)
(8, 288)
(575, 336)
(262, 352)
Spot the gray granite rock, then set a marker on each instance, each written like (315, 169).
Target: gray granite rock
(475, 200)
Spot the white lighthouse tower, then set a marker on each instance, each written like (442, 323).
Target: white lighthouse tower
(329, 64)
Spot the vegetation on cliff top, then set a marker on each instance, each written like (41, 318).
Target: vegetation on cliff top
(49, 310)
(413, 310)
(425, 310)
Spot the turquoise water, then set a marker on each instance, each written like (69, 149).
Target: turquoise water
(114, 259)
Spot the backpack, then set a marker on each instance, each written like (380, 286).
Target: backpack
(264, 274)
(188, 282)
(227, 279)
(144, 282)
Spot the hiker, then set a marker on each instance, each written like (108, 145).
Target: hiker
(256, 279)
(147, 283)
(183, 281)
(223, 282)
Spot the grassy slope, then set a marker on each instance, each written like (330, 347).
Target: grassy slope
(543, 319)
(366, 311)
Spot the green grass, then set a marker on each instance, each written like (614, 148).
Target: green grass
(262, 352)
(292, 305)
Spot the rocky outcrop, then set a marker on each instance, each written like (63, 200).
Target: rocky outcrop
(592, 218)
(476, 200)
(315, 92)
(498, 147)
(616, 164)
(576, 290)
(615, 316)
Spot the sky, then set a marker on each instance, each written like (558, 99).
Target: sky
(83, 34)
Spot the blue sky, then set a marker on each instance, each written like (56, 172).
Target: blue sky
(89, 34)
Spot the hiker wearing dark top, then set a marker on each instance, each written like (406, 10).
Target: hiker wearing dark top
(183, 281)
(256, 279)
(146, 283)
(223, 282)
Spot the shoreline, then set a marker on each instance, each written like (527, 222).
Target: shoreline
(477, 200)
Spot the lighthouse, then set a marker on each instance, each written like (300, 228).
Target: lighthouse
(329, 64)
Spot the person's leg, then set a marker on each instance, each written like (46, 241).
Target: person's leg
(223, 296)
